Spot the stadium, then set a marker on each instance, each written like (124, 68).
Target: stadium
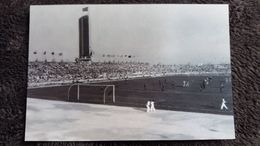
(94, 99)
(132, 88)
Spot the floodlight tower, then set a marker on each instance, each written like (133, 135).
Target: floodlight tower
(84, 47)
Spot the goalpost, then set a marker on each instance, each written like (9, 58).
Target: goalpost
(93, 85)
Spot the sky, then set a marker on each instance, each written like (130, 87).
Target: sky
(164, 33)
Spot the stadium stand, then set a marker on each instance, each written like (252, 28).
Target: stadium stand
(73, 71)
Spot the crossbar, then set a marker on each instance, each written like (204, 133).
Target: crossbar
(95, 85)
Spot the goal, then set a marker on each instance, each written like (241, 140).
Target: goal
(79, 95)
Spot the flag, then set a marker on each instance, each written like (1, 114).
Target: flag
(85, 9)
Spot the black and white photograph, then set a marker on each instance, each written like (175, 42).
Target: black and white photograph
(129, 72)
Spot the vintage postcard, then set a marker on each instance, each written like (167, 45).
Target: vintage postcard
(129, 72)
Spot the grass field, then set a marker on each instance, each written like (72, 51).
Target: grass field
(167, 92)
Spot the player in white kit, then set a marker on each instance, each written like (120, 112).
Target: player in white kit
(152, 106)
(223, 105)
(148, 109)
(184, 84)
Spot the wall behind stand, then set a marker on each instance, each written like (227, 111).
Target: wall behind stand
(245, 52)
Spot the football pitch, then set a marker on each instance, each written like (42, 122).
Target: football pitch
(167, 92)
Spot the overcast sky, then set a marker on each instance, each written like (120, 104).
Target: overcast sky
(168, 34)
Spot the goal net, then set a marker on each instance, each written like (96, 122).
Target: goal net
(92, 93)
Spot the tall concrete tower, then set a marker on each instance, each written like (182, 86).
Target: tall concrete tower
(84, 48)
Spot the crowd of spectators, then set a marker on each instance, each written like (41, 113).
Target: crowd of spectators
(73, 71)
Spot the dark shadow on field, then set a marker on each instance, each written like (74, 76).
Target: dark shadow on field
(167, 93)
